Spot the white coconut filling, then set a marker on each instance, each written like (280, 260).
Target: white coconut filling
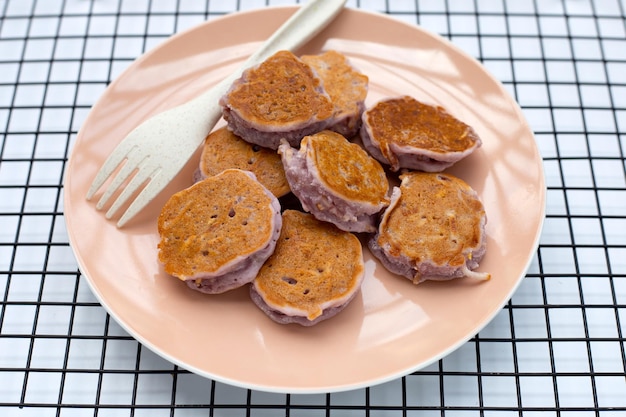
(482, 276)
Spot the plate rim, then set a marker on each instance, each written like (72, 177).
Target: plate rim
(283, 389)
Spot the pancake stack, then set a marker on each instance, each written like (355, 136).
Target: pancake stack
(405, 133)
(315, 271)
(216, 234)
(280, 99)
(434, 229)
(336, 181)
(298, 130)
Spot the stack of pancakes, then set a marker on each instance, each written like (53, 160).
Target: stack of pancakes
(293, 124)
(405, 133)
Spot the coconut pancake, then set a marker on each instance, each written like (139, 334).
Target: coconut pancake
(346, 86)
(314, 272)
(406, 133)
(336, 181)
(434, 228)
(216, 234)
(222, 150)
(281, 98)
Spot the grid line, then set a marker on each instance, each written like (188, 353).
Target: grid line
(557, 346)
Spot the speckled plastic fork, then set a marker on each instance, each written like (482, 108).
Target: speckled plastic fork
(156, 150)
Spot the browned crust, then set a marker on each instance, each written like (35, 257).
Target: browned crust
(213, 223)
(281, 91)
(223, 150)
(437, 219)
(313, 263)
(407, 122)
(347, 169)
(344, 84)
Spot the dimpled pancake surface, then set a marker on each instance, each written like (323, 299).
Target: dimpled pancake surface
(346, 86)
(405, 121)
(282, 92)
(346, 168)
(437, 218)
(223, 150)
(213, 223)
(313, 263)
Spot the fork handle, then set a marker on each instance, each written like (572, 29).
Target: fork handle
(303, 25)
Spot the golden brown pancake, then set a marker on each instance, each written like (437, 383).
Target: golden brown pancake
(223, 150)
(346, 169)
(280, 94)
(214, 226)
(433, 228)
(336, 181)
(346, 87)
(315, 269)
(406, 130)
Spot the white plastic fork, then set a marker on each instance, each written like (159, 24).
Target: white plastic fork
(157, 150)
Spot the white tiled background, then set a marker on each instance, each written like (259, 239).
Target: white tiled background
(556, 349)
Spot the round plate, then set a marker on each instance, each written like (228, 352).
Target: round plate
(392, 327)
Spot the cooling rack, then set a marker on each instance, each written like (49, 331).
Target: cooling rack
(556, 348)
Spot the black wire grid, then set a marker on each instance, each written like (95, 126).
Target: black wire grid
(557, 348)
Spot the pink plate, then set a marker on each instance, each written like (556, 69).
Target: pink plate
(392, 327)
